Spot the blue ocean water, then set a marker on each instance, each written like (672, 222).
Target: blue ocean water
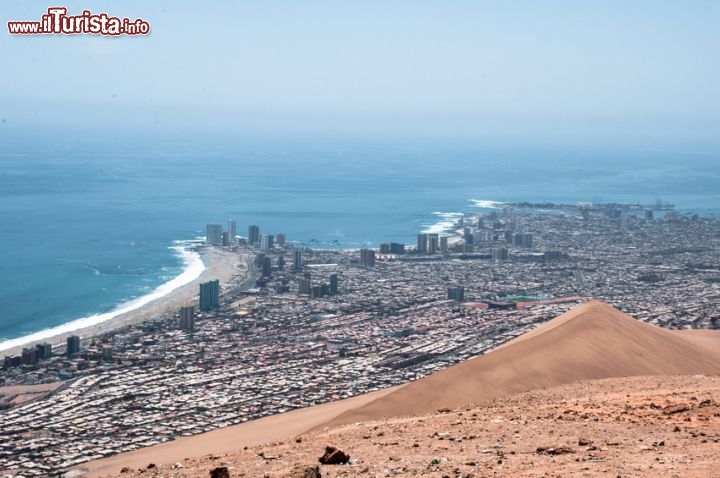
(89, 223)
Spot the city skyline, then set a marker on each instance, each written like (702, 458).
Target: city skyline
(345, 323)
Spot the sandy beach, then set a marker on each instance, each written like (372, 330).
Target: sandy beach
(229, 267)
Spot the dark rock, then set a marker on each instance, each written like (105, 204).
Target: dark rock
(334, 456)
(672, 409)
(151, 466)
(125, 470)
(584, 441)
(220, 472)
(303, 471)
(549, 450)
(312, 472)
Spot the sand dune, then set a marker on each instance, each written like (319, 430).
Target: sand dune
(592, 341)
(702, 337)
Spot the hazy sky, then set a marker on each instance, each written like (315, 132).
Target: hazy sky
(651, 67)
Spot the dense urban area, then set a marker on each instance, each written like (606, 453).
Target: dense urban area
(300, 327)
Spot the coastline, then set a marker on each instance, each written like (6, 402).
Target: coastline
(207, 384)
(218, 264)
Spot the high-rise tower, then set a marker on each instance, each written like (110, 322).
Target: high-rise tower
(213, 234)
(253, 235)
(232, 231)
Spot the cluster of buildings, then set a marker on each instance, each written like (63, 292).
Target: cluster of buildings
(31, 356)
(215, 236)
(326, 325)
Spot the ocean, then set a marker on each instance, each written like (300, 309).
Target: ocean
(92, 223)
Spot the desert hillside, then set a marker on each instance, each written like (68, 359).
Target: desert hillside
(628, 427)
(593, 373)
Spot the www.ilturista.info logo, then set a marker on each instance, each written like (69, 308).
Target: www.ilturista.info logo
(58, 22)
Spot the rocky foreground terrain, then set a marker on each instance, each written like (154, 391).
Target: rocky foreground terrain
(627, 427)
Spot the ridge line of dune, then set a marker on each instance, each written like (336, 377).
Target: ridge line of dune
(591, 341)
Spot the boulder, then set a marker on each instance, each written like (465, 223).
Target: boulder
(334, 456)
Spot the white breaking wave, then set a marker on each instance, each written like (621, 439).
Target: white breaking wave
(487, 204)
(446, 223)
(193, 267)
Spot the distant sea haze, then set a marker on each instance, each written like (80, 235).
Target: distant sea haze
(92, 225)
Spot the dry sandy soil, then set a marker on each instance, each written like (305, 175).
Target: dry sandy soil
(602, 393)
(25, 393)
(638, 426)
